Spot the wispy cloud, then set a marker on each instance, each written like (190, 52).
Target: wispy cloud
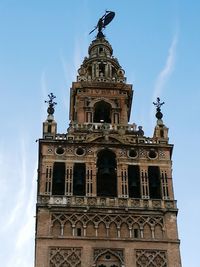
(167, 70)
(165, 73)
(17, 219)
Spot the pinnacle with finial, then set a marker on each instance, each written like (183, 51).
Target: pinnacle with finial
(158, 105)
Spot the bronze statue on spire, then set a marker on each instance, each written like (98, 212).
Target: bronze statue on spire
(103, 22)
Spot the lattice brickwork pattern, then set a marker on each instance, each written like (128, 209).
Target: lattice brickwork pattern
(151, 258)
(65, 257)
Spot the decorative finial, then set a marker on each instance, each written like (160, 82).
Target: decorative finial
(158, 105)
(51, 103)
(103, 22)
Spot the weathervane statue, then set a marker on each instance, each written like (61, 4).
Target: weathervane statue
(51, 103)
(103, 22)
(158, 105)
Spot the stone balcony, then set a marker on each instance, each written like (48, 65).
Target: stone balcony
(130, 128)
(105, 202)
(80, 131)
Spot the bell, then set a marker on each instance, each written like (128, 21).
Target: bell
(105, 171)
(133, 183)
(79, 182)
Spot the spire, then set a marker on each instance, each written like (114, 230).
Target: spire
(100, 65)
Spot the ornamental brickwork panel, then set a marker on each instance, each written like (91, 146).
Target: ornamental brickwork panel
(65, 257)
(104, 225)
(151, 258)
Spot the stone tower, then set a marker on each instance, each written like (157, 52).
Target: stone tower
(105, 194)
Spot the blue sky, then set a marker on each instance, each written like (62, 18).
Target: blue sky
(42, 44)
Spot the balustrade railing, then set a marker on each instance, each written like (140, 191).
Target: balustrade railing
(126, 203)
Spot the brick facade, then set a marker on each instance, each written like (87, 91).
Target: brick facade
(105, 192)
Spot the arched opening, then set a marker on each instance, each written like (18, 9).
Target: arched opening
(58, 186)
(102, 112)
(134, 181)
(161, 133)
(108, 259)
(154, 182)
(79, 179)
(136, 231)
(106, 174)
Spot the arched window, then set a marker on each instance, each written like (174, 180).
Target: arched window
(58, 185)
(134, 181)
(102, 112)
(79, 179)
(106, 174)
(154, 182)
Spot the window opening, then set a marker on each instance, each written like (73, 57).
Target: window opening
(101, 70)
(134, 181)
(48, 179)
(106, 174)
(78, 231)
(136, 233)
(161, 133)
(79, 179)
(58, 186)
(102, 112)
(100, 49)
(154, 182)
(90, 71)
(49, 128)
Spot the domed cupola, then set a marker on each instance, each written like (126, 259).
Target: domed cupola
(100, 65)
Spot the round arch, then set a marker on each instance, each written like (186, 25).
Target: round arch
(109, 258)
(102, 112)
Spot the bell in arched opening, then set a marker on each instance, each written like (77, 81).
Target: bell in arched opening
(106, 174)
(102, 112)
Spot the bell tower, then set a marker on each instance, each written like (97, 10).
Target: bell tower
(105, 193)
